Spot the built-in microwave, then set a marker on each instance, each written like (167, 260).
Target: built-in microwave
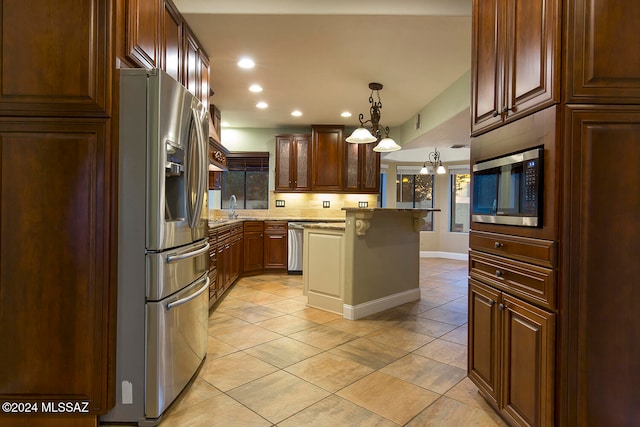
(508, 189)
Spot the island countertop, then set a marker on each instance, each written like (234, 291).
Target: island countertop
(370, 265)
(326, 225)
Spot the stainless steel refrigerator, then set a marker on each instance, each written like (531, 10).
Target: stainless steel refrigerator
(162, 246)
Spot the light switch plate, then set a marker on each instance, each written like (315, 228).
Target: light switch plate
(363, 204)
(279, 203)
(326, 204)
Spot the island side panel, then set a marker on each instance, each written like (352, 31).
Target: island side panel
(384, 262)
(323, 268)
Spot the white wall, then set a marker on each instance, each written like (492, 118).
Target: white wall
(440, 239)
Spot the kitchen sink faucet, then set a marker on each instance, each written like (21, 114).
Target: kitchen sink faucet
(233, 204)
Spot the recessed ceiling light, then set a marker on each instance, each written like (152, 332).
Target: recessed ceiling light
(296, 113)
(224, 124)
(345, 114)
(246, 63)
(255, 88)
(262, 104)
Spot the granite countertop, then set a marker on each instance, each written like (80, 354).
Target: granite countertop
(391, 209)
(219, 222)
(326, 225)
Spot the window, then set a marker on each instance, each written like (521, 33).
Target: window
(460, 198)
(415, 191)
(247, 179)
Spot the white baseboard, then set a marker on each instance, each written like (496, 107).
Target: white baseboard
(359, 311)
(448, 255)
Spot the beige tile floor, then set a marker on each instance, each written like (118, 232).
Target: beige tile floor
(272, 361)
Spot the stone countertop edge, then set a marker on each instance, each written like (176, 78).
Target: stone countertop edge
(391, 209)
(223, 221)
(326, 225)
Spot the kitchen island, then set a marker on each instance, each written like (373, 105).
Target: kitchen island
(366, 265)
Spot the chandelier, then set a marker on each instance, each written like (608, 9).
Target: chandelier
(435, 162)
(363, 135)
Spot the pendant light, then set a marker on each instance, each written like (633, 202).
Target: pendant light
(363, 135)
(435, 164)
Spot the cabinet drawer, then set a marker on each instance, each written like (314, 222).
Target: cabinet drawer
(213, 233)
(236, 228)
(529, 282)
(250, 226)
(223, 233)
(536, 251)
(275, 226)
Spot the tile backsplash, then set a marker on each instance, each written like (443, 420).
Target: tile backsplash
(302, 205)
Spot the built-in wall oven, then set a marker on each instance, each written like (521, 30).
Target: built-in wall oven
(508, 189)
(162, 247)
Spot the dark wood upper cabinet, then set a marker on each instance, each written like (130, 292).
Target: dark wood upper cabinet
(195, 67)
(487, 63)
(204, 79)
(45, 45)
(275, 246)
(293, 162)
(516, 60)
(142, 38)
(327, 145)
(326, 160)
(362, 168)
(191, 70)
(603, 64)
(172, 48)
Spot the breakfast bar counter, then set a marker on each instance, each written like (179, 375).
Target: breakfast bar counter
(369, 265)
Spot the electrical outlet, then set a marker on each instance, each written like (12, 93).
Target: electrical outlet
(363, 204)
(326, 204)
(279, 203)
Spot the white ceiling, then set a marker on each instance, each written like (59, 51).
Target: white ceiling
(320, 56)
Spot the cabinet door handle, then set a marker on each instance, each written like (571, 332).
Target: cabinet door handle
(499, 273)
(495, 113)
(501, 306)
(498, 245)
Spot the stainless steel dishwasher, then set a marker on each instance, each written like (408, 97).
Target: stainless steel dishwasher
(294, 244)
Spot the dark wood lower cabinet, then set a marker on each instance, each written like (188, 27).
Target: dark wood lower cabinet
(528, 360)
(484, 339)
(512, 355)
(229, 256)
(253, 247)
(245, 248)
(56, 267)
(601, 297)
(275, 245)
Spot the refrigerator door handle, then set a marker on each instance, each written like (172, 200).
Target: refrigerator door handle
(190, 297)
(197, 156)
(202, 161)
(174, 258)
